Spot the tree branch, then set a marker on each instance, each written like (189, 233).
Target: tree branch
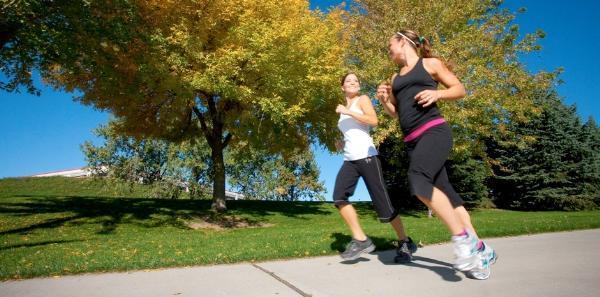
(216, 120)
(203, 125)
(212, 109)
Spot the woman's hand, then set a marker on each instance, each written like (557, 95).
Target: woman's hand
(383, 93)
(342, 109)
(427, 97)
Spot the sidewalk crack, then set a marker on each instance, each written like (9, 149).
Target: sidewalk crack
(281, 280)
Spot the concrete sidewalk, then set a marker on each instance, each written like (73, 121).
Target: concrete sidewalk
(553, 264)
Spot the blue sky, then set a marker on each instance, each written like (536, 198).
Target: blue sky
(41, 134)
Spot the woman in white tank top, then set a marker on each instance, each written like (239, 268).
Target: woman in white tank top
(360, 160)
(355, 125)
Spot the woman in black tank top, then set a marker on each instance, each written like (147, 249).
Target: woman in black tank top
(405, 88)
(412, 98)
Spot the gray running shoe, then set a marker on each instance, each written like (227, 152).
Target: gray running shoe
(355, 248)
(405, 250)
(412, 246)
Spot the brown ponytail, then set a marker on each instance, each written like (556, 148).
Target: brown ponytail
(422, 45)
(425, 47)
(419, 43)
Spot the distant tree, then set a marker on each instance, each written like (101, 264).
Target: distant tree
(276, 177)
(125, 158)
(555, 165)
(170, 167)
(590, 166)
(143, 161)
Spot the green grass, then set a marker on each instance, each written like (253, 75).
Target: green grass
(57, 226)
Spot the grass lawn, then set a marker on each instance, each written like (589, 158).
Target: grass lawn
(57, 226)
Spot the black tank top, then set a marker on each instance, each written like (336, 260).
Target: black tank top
(405, 87)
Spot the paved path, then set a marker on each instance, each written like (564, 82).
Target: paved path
(553, 264)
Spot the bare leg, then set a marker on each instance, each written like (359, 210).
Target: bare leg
(465, 219)
(399, 228)
(351, 218)
(443, 209)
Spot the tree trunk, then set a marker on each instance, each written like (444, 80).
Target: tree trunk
(217, 143)
(218, 172)
(195, 190)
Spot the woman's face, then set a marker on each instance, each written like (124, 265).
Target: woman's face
(395, 50)
(351, 84)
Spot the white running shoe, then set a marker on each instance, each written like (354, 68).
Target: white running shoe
(487, 257)
(489, 253)
(465, 252)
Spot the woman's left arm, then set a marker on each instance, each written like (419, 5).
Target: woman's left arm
(438, 70)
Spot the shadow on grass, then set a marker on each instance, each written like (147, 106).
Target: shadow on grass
(144, 212)
(34, 244)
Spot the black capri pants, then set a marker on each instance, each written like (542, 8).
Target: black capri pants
(428, 155)
(370, 170)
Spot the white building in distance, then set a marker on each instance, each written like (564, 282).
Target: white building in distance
(85, 172)
(76, 172)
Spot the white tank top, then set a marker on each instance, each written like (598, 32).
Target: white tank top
(358, 144)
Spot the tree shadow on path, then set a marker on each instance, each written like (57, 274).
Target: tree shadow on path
(441, 268)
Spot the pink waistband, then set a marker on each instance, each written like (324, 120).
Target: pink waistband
(417, 132)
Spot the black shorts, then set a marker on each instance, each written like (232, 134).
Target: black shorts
(370, 170)
(428, 155)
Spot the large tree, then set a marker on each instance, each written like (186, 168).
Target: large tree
(226, 72)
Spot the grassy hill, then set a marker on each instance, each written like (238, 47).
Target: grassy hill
(56, 226)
